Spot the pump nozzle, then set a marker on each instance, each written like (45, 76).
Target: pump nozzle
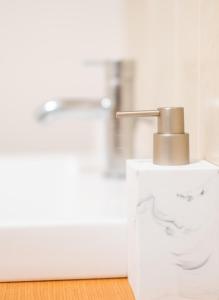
(140, 113)
(171, 143)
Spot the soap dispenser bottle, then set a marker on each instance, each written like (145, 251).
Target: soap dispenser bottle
(173, 217)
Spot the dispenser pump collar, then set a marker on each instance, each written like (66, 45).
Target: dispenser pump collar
(171, 143)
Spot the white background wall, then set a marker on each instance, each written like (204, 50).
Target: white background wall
(44, 44)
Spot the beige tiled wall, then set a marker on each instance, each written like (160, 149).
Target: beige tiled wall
(176, 45)
(150, 37)
(209, 77)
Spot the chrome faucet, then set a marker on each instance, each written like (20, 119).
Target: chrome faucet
(119, 79)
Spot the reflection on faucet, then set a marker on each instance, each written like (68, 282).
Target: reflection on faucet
(118, 96)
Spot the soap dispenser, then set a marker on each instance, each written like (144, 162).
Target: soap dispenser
(173, 221)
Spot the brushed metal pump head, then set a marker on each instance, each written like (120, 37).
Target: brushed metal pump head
(171, 143)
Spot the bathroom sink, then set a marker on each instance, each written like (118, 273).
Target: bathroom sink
(57, 222)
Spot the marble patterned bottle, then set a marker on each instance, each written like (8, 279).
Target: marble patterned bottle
(173, 218)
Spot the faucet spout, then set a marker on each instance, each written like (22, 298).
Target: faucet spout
(78, 106)
(118, 137)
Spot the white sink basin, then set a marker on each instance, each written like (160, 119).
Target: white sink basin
(59, 223)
